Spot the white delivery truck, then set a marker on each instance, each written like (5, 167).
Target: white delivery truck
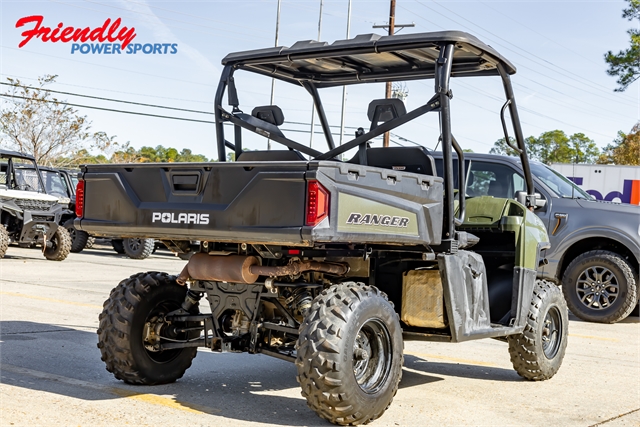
(612, 183)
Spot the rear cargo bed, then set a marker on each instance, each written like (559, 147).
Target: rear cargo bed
(261, 202)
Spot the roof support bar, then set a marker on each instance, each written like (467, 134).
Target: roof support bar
(323, 117)
(442, 75)
(517, 128)
(431, 105)
(226, 73)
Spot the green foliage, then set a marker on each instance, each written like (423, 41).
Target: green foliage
(127, 154)
(553, 147)
(625, 149)
(34, 122)
(501, 147)
(626, 63)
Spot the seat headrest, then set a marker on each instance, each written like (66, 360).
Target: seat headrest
(269, 113)
(388, 109)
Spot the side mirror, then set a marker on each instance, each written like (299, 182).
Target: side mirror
(521, 197)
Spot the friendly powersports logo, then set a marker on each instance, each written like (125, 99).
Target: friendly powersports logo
(108, 38)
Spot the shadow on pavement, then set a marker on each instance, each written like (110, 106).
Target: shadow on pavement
(257, 388)
(455, 369)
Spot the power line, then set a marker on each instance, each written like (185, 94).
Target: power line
(110, 99)
(106, 66)
(111, 90)
(110, 109)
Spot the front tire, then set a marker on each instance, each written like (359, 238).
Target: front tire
(134, 303)
(537, 353)
(118, 246)
(4, 241)
(138, 248)
(600, 286)
(60, 245)
(78, 237)
(349, 354)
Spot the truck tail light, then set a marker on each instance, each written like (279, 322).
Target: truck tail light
(317, 203)
(80, 199)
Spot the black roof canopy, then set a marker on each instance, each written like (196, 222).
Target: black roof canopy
(5, 154)
(371, 58)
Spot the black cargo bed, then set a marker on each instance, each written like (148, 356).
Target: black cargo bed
(261, 202)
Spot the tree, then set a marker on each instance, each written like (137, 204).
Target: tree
(34, 122)
(501, 147)
(553, 147)
(626, 63)
(625, 149)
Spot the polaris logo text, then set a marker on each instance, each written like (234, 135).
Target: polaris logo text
(180, 218)
(375, 219)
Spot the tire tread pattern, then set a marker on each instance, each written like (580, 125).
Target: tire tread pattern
(146, 249)
(629, 301)
(81, 237)
(63, 246)
(525, 349)
(116, 322)
(4, 241)
(318, 361)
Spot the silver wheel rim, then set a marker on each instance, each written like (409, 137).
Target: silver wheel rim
(597, 288)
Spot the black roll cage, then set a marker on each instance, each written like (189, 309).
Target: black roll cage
(439, 102)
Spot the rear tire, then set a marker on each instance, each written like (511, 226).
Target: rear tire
(4, 241)
(118, 246)
(349, 354)
(138, 248)
(134, 302)
(60, 245)
(90, 242)
(537, 353)
(600, 286)
(78, 237)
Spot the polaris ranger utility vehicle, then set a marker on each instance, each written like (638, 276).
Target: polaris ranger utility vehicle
(595, 245)
(325, 263)
(60, 183)
(27, 214)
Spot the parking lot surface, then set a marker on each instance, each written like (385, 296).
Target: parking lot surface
(51, 372)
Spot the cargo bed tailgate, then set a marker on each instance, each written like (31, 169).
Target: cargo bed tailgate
(239, 201)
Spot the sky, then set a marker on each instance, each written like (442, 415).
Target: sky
(557, 47)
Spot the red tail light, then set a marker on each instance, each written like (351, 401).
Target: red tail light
(80, 199)
(317, 203)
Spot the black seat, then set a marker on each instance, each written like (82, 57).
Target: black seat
(408, 159)
(270, 156)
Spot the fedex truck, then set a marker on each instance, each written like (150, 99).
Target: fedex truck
(612, 183)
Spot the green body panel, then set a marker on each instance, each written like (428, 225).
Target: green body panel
(508, 215)
(359, 215)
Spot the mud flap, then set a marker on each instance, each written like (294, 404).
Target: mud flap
(464, 282)
(524, 279)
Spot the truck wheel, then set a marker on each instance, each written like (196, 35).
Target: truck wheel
(349, 354)
(4, 241)
(137, 302)
(138, 248)
(90, 242)
(60, 245)
(78, 237)
(538, 351)
(118, 245)
(599, 286)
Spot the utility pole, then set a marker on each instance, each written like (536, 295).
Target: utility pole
(273, 81)
(392, 29)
